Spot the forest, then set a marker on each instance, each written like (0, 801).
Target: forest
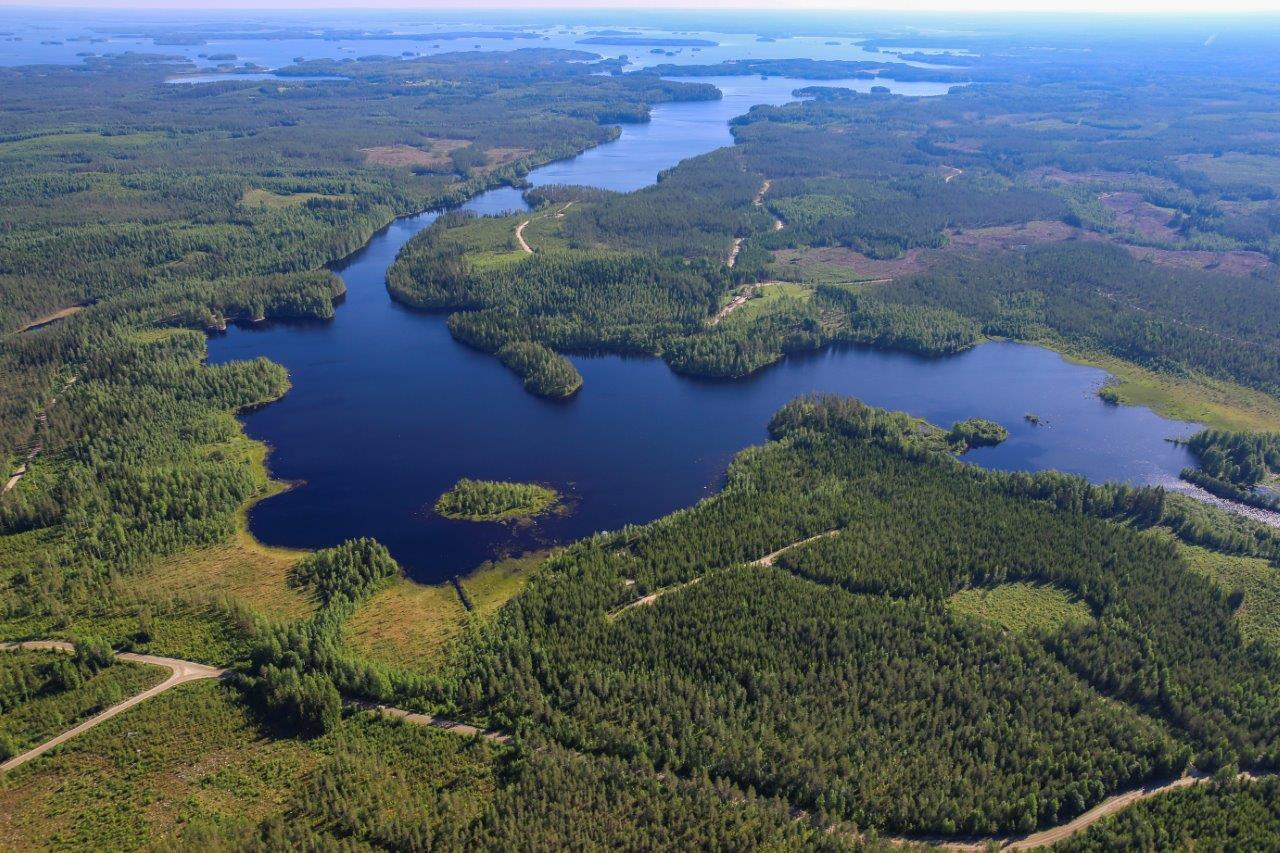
(864, 609)
(795, 662)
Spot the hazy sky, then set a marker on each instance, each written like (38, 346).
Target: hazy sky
(1160, 7)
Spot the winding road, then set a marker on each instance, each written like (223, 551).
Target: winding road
(180, 672)
(183, 671)
(758, 201)
(43, 420)
(524, 246)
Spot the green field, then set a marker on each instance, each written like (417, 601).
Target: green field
(1021, 607)
(1258, 583)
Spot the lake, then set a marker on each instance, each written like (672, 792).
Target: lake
(61, 36)
(387, 411)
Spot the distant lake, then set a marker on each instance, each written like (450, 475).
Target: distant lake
(220, 77)
(61, 36)
(387, 411)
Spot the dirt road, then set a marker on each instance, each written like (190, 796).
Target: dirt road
(770, 559)
(435, 722)
(766, 560)
(1047, 837)
(42, 419)
(758, 201)
(520, 237)
(181, 672)
(524, 246)
(184, 671)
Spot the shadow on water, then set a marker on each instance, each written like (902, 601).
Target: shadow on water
(387, 411)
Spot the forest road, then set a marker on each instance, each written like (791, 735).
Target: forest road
(180, 672)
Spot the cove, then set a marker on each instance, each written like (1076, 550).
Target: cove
(387, 411)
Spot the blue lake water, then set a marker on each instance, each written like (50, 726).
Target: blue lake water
(387, 411)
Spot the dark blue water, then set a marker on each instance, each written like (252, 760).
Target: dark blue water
(387, 411)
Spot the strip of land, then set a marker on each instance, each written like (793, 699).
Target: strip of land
(185, 671)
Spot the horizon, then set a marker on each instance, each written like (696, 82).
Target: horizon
(1012, 9)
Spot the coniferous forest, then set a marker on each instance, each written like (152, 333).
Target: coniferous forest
(856, 639)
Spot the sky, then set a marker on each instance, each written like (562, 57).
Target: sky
(1084, 7)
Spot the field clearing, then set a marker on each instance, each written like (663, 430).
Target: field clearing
(847, 263)
(407, 624)
(1259, 614)
(1021, 607)
(493, 584)
(192, 753)
(1134, 214)
(770, 296)
(82, 142)
(243, 569)
(501, 156)
(410, 624)
(435, 156)
(1237, 167)
(1231, 263)
(275, 201)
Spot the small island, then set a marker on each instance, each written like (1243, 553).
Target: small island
(647, 41)
(490, 500)
(976, 432)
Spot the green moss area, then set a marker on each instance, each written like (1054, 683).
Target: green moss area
(1254, 585)
(43, 694)
(195, 768)
(1021, 607)
(411, 624)
(490, 500)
